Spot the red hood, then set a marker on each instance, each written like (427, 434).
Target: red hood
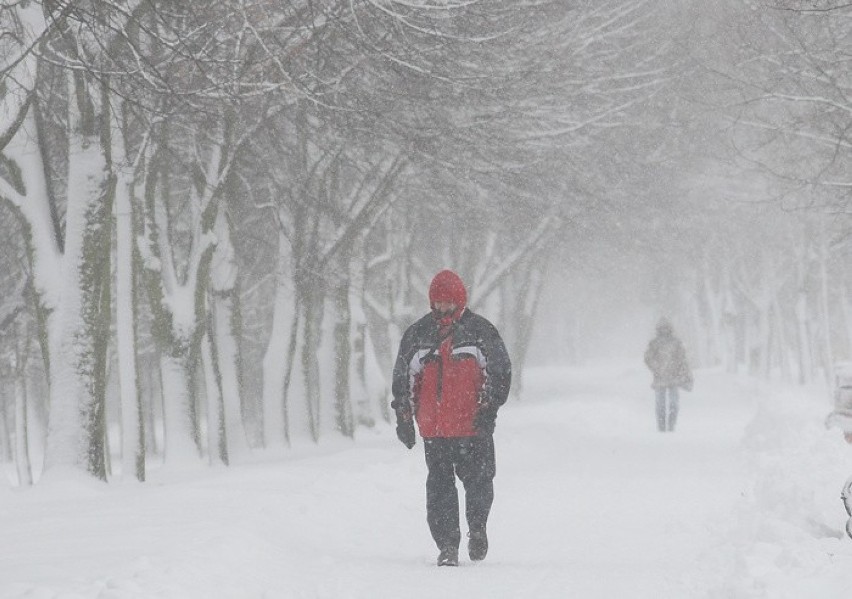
(447, 286)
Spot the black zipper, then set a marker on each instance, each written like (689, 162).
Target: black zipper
(432, 351)
(440, 389)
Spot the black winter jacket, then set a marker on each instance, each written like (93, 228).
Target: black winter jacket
(448, 383)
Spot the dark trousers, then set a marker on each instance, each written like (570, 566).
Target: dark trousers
(472, 460)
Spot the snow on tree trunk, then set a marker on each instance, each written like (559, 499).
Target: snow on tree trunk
(30, 197)
(182, 438)
(76, 435)
(223, 282)
(41, 236)
(180, 424)
(280, 353)
(178, 363)
(72, 290)
(178, 304)
(132, 424)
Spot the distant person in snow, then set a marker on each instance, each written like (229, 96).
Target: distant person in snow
(666, 358)
(452, 373)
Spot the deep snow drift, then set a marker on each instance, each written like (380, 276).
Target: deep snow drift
(741, 501)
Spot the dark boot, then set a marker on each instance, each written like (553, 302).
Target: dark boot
(449, 556)
(477, 544)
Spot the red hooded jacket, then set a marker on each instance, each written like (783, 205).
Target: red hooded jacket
(448, 366)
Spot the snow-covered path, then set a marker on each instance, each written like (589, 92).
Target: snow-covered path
(596, 499)
(590, 502)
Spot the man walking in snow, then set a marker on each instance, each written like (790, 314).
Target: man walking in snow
(666, 358)
(452, 373)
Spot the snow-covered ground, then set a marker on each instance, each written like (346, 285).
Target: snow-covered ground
(741, 501)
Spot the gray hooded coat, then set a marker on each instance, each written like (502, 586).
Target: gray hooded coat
(666, 358)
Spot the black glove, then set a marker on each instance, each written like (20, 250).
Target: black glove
(405, 427)
(485, 419)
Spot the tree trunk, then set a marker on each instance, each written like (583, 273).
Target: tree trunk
(783, 347)
(846, 307)
(524, 304)
(713, 300)
(217, 439)
(77, 420)
(180, 421)
(764, 339)
(225, 334)
(178, 306)
(368, 387)
(22, 430)
(312, 310)
(43, 242)
(132, 424)
(342, 323)
(828, 372)
(6, 453)
(152, 403)
(805, 361)
(280, 353)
